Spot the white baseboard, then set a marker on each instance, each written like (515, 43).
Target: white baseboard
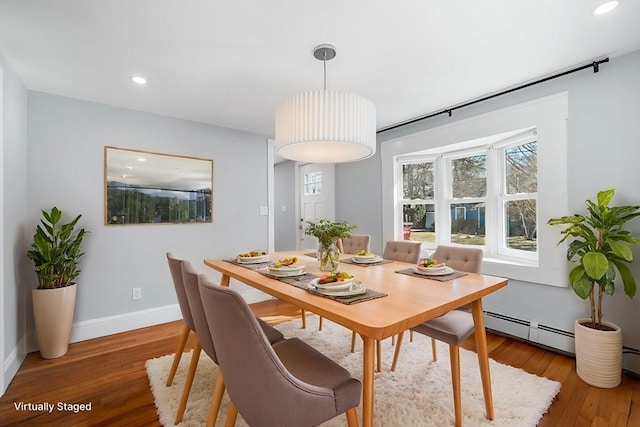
(95, 328)
(12, 364)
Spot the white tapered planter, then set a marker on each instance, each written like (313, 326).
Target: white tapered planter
(598, 354)
(53, 316)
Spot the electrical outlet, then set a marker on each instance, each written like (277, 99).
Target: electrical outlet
(136, 293)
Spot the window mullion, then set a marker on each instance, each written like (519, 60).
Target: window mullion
(493, 231)
(443, 179)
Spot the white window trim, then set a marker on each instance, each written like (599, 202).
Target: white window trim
(548, 115)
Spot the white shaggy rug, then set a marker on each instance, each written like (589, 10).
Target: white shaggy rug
(417, 394)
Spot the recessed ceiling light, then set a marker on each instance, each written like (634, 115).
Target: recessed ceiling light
(141, 159)
(605, 7)
(139, 80)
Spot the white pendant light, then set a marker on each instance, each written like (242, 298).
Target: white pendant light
(325, 126)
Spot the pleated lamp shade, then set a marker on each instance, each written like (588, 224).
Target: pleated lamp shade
(326, 126)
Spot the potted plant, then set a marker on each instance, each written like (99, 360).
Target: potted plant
(601, 246)
(327, 233)
(55, 253)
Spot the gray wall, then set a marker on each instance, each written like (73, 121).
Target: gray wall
(359, 199)
(603, 152)
(13, 206)
(65, 169)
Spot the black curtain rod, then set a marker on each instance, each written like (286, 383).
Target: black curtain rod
(595, 65)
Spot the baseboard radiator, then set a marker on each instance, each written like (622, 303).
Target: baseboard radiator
(531, 331)
(551, 338)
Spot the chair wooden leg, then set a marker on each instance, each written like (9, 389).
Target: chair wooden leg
(393, 340)
(303, 317)
(188, 382)
(216, 400)
(182, 342)
(434, 353)
(232, 414)
(410, 335)
(396, 353)
(378, 356)
(352, 418)
(353, 342)
(320, 324)
(455, 381)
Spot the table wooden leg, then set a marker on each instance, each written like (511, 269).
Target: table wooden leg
(367, 381)
(483, 356)
(224, 281)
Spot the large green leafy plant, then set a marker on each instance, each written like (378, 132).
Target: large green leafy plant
(56, 250)
(602, 248)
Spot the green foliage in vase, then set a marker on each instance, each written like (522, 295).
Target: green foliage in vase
(327, 232)
(602, 248)
(56, 250)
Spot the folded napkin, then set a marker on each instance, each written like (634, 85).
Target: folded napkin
(443, 278)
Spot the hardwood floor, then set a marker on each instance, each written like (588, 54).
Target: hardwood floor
(109, 374)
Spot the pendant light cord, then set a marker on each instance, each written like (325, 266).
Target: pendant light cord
(324, 63)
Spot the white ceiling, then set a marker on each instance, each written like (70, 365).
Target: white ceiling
(230, 63)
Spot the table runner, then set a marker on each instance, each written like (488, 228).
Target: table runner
(443, 278)
(305, 279)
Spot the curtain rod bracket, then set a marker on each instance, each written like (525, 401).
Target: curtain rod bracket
(596, 67)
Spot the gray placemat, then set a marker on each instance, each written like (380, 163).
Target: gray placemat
(250, 266)
(368, 264)
(443, 278)
(312, 254)
(303, 281)
(367, 296)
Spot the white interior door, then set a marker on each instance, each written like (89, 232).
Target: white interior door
(316, 184)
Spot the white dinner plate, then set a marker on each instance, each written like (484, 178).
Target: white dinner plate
(367, 260)
(333, 286)
(441, 271)
(253, 259)
(355, 288)
(285, 271)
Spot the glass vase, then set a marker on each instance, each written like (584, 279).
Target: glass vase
(329, 257)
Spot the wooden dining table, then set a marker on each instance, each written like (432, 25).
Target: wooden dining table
(409, 301)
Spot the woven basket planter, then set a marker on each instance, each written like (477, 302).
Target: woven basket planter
(599, 354)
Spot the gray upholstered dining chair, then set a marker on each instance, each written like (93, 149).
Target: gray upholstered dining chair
(354, 244)
(175, 266)
(402, 250)
(190, 278)
(395, 250)
(452, 327)
(289, 384)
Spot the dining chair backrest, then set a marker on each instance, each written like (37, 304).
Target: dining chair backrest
(258, 382)
(356, 243)
(402, 250)
(190, 278)
(175, 267)
(460, 258)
